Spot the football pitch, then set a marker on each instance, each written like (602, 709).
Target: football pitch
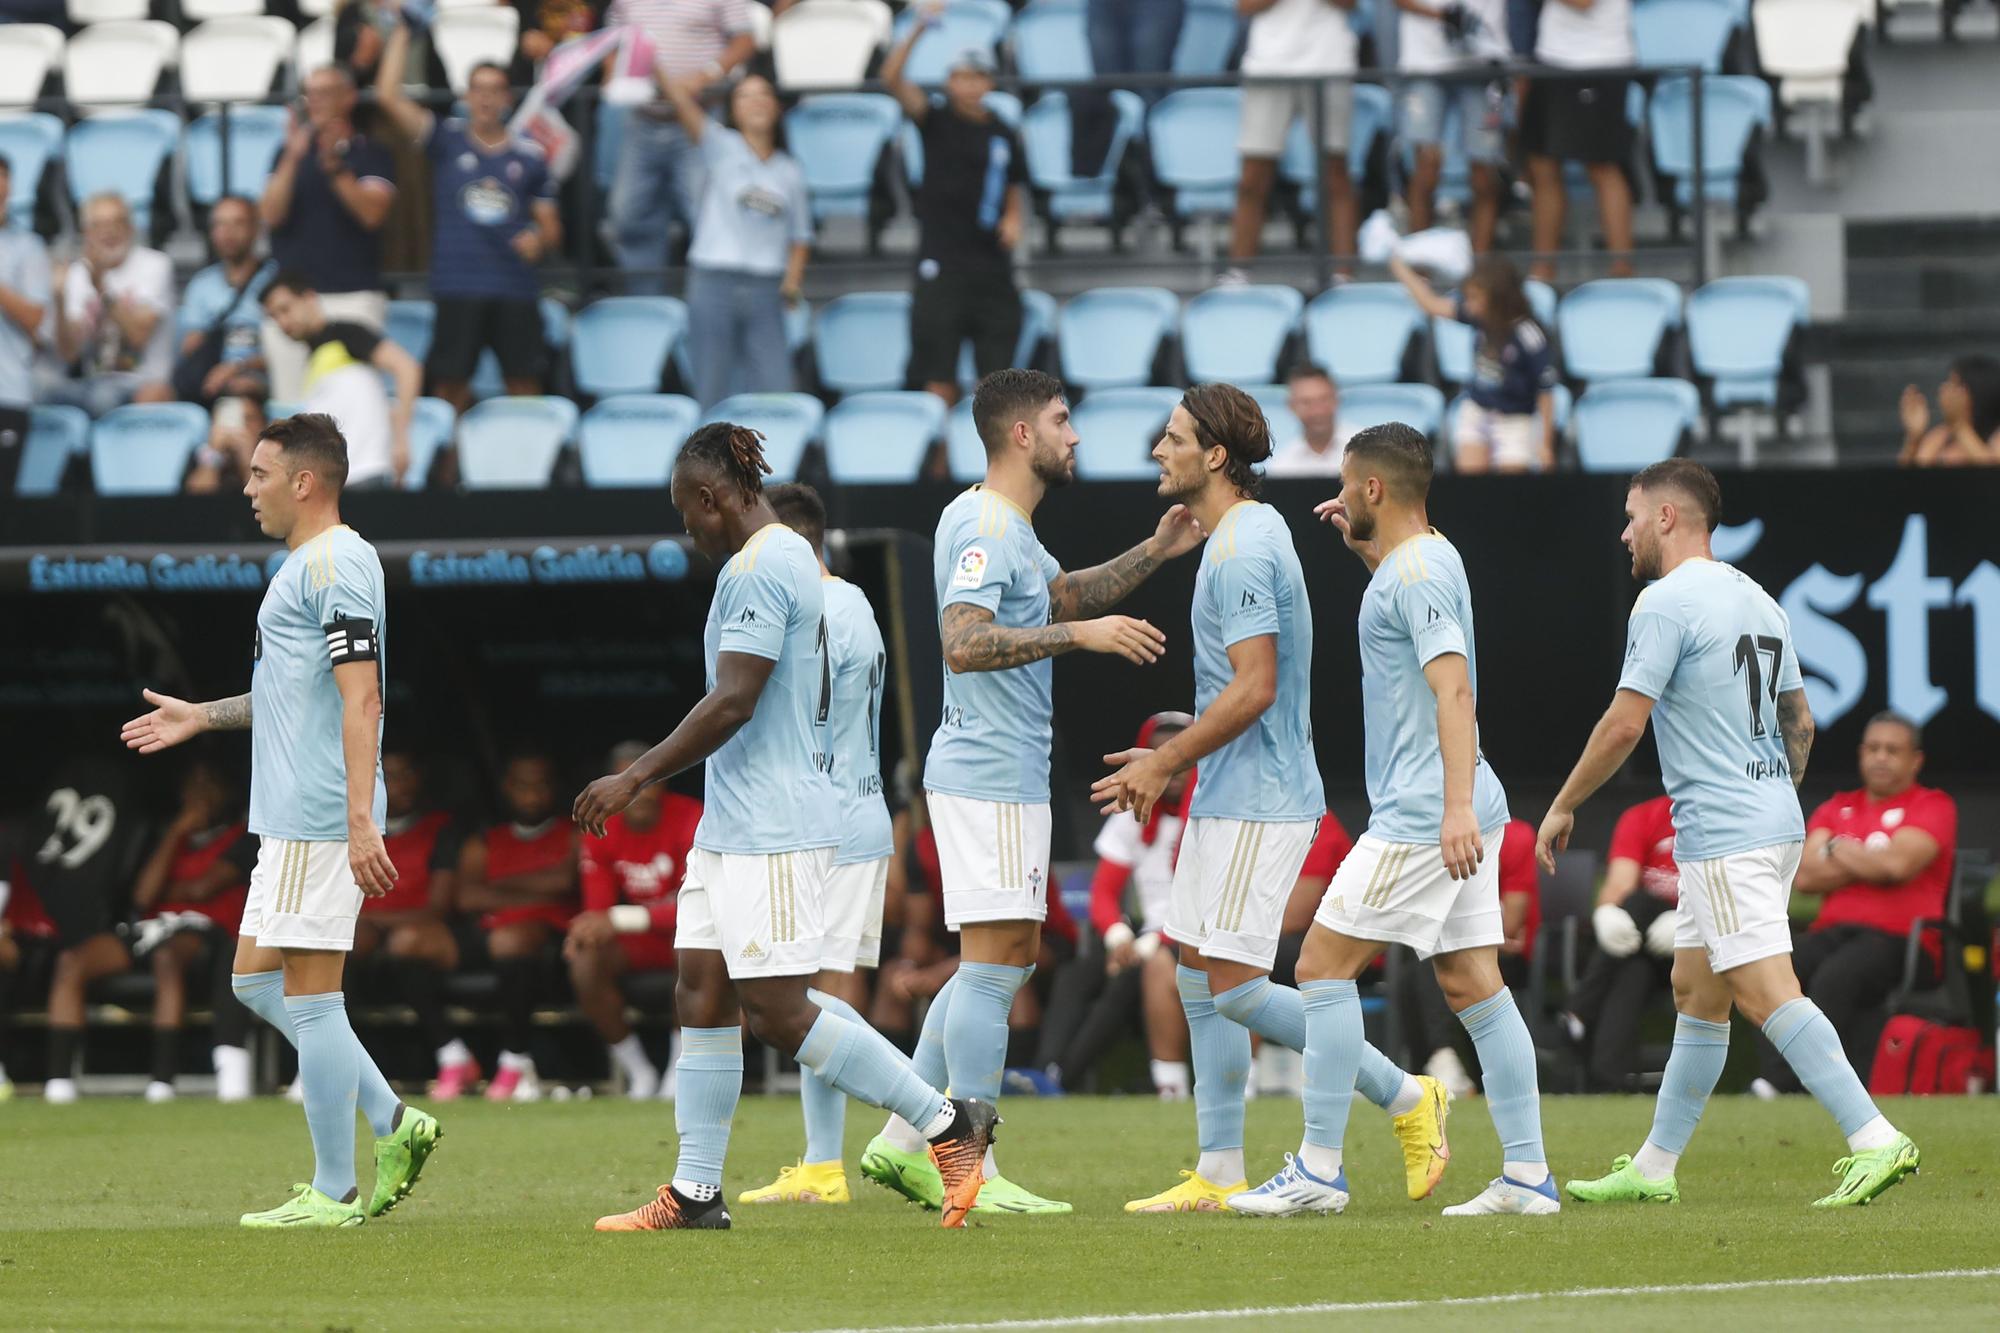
(115, 1214)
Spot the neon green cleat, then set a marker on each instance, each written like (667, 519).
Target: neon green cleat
(1001, 1195)
(1867, 1174)
(400, 1156)
(1624, 1185)
(308, 1208)
(911, 1174)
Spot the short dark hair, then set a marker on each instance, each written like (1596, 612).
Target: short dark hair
(727, 450)
(311, 440)
(1689, 481)
(1400, 454)
(1309, 370)
(1225, 415)
(1008, 396)
(293, 280)
(242, 199)
(1903, 720)
(799, 508)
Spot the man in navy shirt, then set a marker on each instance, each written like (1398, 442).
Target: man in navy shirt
(496, 217)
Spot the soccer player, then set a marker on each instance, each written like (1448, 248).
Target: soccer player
(1005, 608)
(316, 804)
(858, 882)
(750, 929)
(1709, 659)
(1420, 875)
(1257, 805)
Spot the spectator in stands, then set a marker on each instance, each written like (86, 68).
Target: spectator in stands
(113, 336)
(1453, 37)
(1969, 403)
(631, 882)
(325, 202)
(521, 875)
(1881, 858)
(24, 301)
(1134, 37)
(971, 209)
(494, 217)
(220, 353)
(1581, 119)
(752, 238)
(659, 173)
(1294, 38)
(341, 380)
(546, 24)
(1314, 399)
(1633, 925)
(402, 944)
(223, 464)
(1508, 421)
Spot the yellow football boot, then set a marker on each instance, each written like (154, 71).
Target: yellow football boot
(1421, 1132)
(1193, 1195)
(806, 1182)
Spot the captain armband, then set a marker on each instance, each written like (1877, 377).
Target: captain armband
(352, 640)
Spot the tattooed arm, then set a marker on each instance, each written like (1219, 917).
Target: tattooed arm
(231, 714)
(1084, 593)
(1795, 724)
(972, 642)
(175, 720)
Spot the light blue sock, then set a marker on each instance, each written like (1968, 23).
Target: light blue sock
(1333, 1055)
(857, 1060)
(1278, 1013)
(329, 1072)
(825, 1106)
(708, 1082)
(929, 1055)
(1507, 1068)
(975, 1032)
(263, 994)
(1221, 1050)
(1807, 1040)
(1701, 1049)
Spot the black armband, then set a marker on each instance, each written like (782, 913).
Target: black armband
(351, 640)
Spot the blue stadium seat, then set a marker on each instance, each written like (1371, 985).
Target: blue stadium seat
(837, 139)
(789, 421)
(631, 439)
(963, 24)
(431, 427)
(1448, 432)
(1209, 32)
(1542, 301)
(1738, 330)
(28, 142)
(910, 144)
(488, 382)
(1361, 331)
(1679, 33)
(798, 325)
(255, 135)
(1236, 334)
(55, 435)
(1627, 424)
(1456, 346)
(861, 341)
(122, 154)
(512, 443)
(1192, 134)
(1366, 405)
(145, 448)
(1050, 41)
(965, 451)
(1045, 136)
(1374, 115)
(1109, 336)
(410, 324)
(1117, 429)
(620, 344)
(881, 437)
(1733, 107)
(1038, 321)
(1612, 328)
(1275, 399)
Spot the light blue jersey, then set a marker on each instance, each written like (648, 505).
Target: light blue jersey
(1249, 585)
(854, 647)
(1417, 608)
(767, 789)
(324, 606)
(1715, 652)
(992, 742)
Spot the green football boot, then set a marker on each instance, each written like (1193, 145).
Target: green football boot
(1866, 1174)
(1624, 1185)
(1001, 1195)
(308, 1208)
(400, 1156)
(910, 1174)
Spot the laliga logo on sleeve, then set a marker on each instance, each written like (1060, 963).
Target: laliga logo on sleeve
(971, 570)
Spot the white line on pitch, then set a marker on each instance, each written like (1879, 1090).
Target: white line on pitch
(1446, 1302)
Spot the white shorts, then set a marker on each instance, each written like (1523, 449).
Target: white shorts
(995, 859)
(1231, 884)
(302, 896)
(853, 915)
(1737, 906)
(1268, 113)
(1400, 893)
(1510, 441)
(762, 913)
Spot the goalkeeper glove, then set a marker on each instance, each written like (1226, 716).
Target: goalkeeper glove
(1617, 933)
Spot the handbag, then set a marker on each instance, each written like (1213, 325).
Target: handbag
(191, 371)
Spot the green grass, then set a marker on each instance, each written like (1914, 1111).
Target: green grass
(117, 1214)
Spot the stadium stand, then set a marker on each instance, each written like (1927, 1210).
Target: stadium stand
(881, 437)
(1239, 334)
(828, 43)
(29, 53)
(432, 426)
(1064, 197)
(631, 439)
(1110, 337)
(56, 434)
(1048, 40)
(622, 344)
(1616, 328)
(1673, 34)
(1740, 331)
(962, 25)
(235, 59)
(1118, 428)
(1362, 332)
(789, 422)
(513, 443)
(861, 341)
(145, 448)
(1365, 405)
(838, 140)
(124, 154)
(1623, 425)
(467, 37)
(256, 133)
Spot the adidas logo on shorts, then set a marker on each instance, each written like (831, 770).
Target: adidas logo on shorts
(751, 951)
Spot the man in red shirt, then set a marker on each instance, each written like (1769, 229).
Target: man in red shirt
(631, 877)
(1634, 929)
(1881, 858)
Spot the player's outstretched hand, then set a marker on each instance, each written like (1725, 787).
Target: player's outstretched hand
(374, 872)
(1461, 844)
(1177, 534)
(1136, 786)
(1557, 825)
(1133, 640)
(600, 800)
(171, 722)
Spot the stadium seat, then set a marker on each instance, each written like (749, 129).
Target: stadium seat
(116, 65)
(1050, 41)
(632, 439)
(55, 435)
(910, 144)
(962, 25)
(1627, 424)
(409, 325)
(1804, 46)
(1275, 400)
(315, 49)
(235, 59)
(28, 142)
(512, 443)
(1238, 333)
(256, 133)
(837, 139)
(200, 11)
(1192, 134)
(431, 427)
(964, 450)
(1038, 321)
(1045, 137)
(122, 153)
(487, 380)
(1374, 115)
(789, 422)
(861, 341)
(620, 344)
(28, 53)
(1542, 301)
(85, 12)
(828, 43)
(463, 38)
(1109, 337)
(1209, 32)
(761, 23)
(1365, 405)
(1455, 345)
(1733, 107)
(881, 437)
(144, 448)
(1679, 33)
(1738, 330)
(1117, 429)
(1360, 332)
(1612, 328)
